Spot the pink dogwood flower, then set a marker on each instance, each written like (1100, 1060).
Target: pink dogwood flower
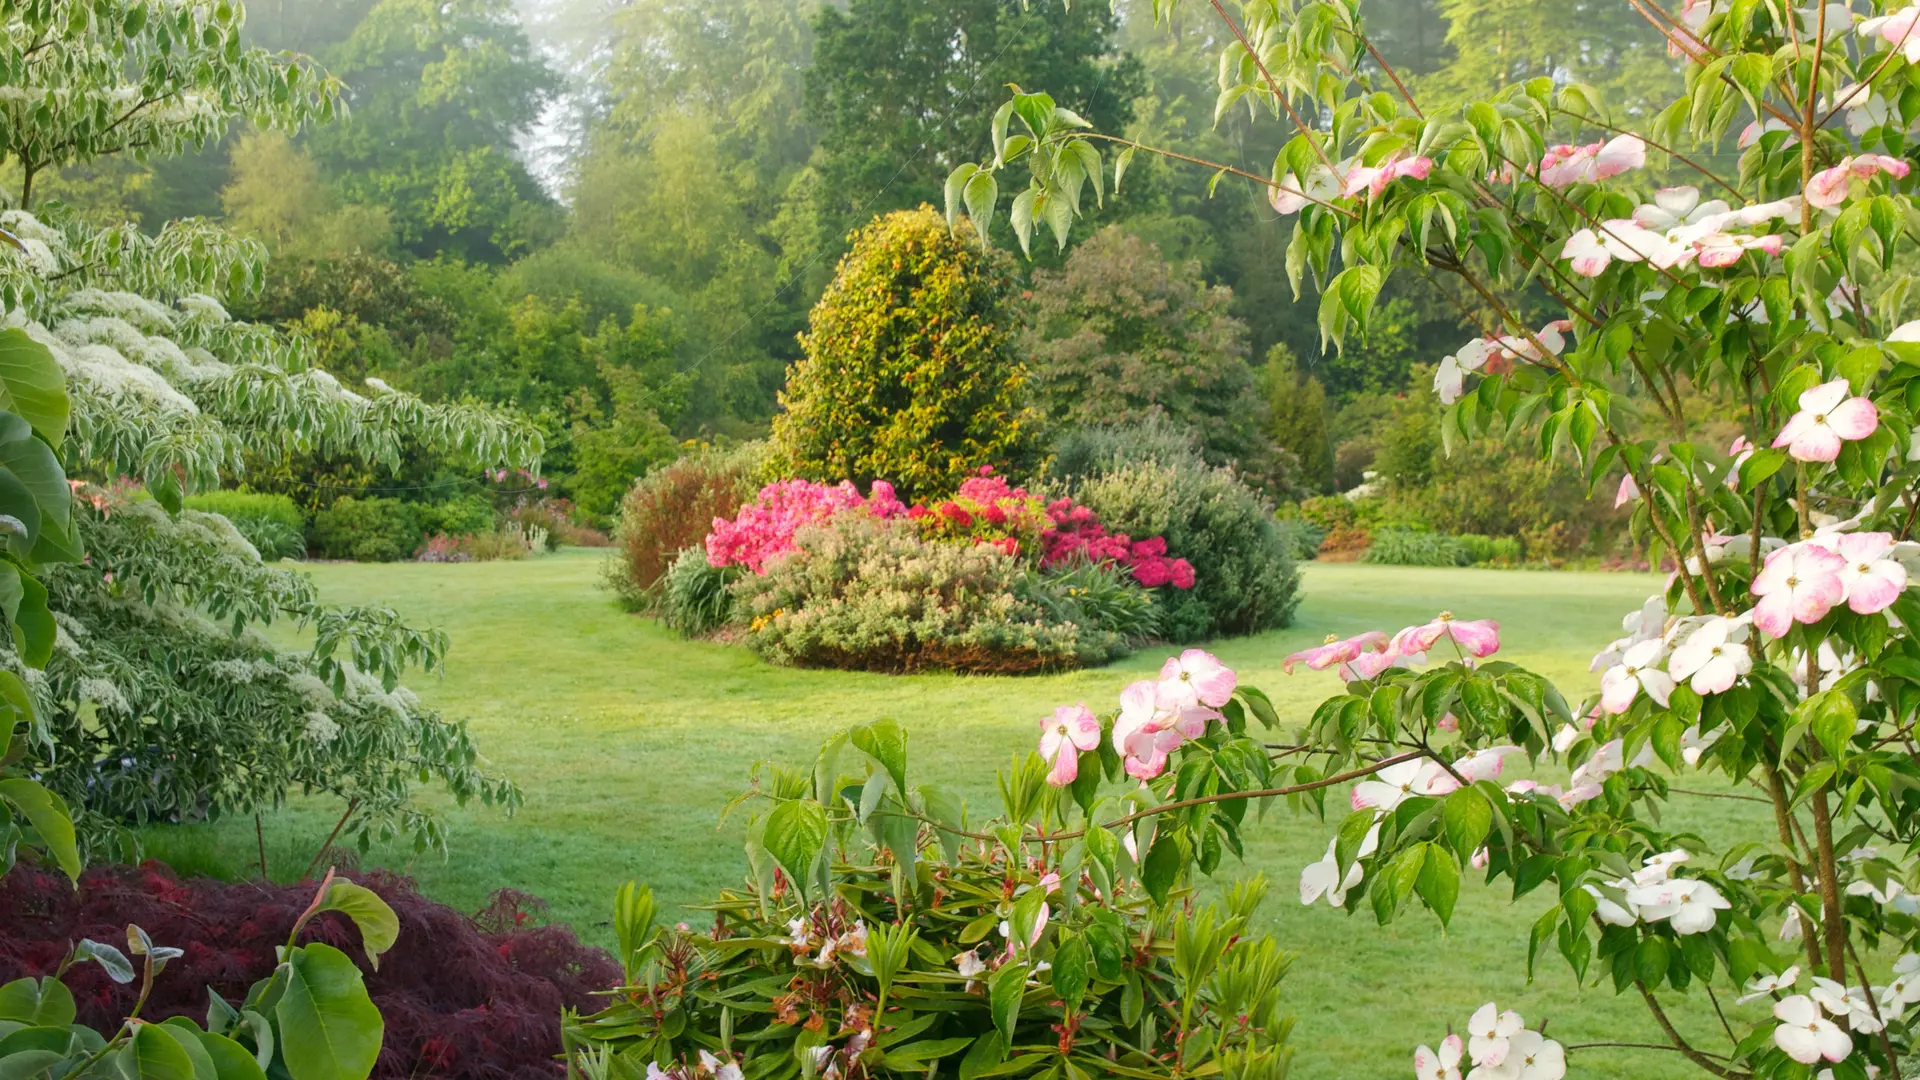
(1564, 166)
(1629, 491)
(1479, 638)
(1872, 579)
(1898, 29)
(1798, 583)
(1807, 1036)
(1369, 665)
(1373, 179)
(1635, 672)
(1443, 1064)
(1827, 417)
(1591, 251)
(1070, 730)
(1712, 657)
(1830, 187)
(1195, 678)
(1336, 651)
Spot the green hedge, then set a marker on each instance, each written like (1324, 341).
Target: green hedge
(271, 523)
(389, 530)
(1413, 547)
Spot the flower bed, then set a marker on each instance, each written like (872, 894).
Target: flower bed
(994, 578)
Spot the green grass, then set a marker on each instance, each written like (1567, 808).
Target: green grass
(628, 742)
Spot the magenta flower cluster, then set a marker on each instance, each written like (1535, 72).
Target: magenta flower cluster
(765, 527)
(1078, 536)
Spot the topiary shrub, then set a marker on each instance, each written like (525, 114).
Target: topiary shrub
(910, 371)
(872, 595)
(673, 508)
(694, 599)
(1245, 580)
(271, 523)
(367, 530)
(462, 999)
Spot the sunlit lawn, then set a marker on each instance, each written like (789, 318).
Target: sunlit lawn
(628, 742)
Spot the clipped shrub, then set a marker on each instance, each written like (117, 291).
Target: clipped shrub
(1245, 580)
(271, 523)
(460, 1000)
(673, 508)
(910, 371)
(872, 595)
(1409, 547)
(694, 598)
(367, 530)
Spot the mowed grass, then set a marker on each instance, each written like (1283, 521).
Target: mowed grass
(628, 742)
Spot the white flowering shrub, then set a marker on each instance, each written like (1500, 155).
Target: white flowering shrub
(160, 699)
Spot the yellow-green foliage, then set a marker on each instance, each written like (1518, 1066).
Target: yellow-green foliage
(909, 372)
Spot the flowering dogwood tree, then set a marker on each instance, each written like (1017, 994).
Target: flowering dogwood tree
(1781, 655)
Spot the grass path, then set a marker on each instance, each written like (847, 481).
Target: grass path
(628, 742)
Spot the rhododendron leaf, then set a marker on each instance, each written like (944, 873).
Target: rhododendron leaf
(885, 742)
(329, 1029)
(44, 1002)
(1468, 819)
(796, 834)
(1439, 882)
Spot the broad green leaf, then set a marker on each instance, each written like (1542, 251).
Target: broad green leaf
(796, 833)
(1162, 867)
(329, 1028)
(1005, 988)
(32, 385)
(111, 959)
(34, 630)
(1071, 971)
(1468, 818)
(153, 1054)
(187, 1033)
(49, 817)
(1439, 882)
(44, 1002)
(885, 742)
(231, 1060)
(379, 926)
(1832, 719)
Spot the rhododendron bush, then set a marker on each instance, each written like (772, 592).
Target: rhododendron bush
(1781, 655)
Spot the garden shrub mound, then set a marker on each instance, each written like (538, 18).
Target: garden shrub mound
(271, 523)
(671, 509)
(1138, 481)
(871, 594)
(910, 370)
(461, 1000)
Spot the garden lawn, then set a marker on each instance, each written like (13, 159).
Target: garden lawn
(628, 742)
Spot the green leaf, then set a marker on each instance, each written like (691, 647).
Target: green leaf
(379, 926)
(231, 1061)
(1071, 971)
(982, 193)
(988, 1051)
(33, 386)
(49, 817)
(1467, 818)
(956, 185)
(1005, 988)
(1162, 867)
(885, 742)
(187, 1034)
(329, 1028)
(1650, 960)
(34, 630)
(153, 1054)
(1439, 882)
(44, 1002)
(1832, 720)
(1120, 163)
(796, 834)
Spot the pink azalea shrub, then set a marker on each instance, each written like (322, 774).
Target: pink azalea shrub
(1077, 536)
(986, 510)
(765, 527)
